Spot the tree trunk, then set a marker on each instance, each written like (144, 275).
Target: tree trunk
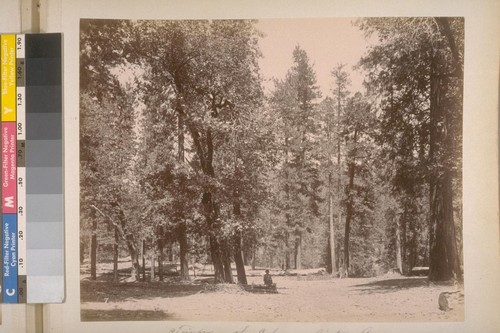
(132, 249)
(238, 260)
(82, 251)
(183, 251)
(180, 134)
(115, 257)
(152, 268)
(328, 261)
(399, 246)
(93, 250)
(160, 257)
(331, 243)
(245, 254)
(216, 247)
(412, 247)
(253, 256)
(350, 206)
(211, 210)
(404, 240)
(170, 252)
(216, 260)
(226, 260)
(287, 210)
(135, 261)
(444, 260)
(445, 29)
(237, 241)
(331, 267)
(287, 253)
(348, 218)
(143, 255)
(127, 237)
(181, 229)
(339, 165)
(298, 251)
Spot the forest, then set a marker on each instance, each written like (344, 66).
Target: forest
(187, 161)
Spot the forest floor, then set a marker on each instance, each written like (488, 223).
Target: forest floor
(305, 296)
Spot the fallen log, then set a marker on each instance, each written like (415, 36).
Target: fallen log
(261, 288)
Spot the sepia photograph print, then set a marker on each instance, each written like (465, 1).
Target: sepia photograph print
(274, 170)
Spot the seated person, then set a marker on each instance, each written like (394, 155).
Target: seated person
(268, 280)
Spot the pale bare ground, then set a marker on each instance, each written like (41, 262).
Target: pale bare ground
(311, 298)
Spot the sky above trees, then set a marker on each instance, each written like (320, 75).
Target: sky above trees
(326, 41)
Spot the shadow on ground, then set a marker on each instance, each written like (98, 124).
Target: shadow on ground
(123, 315)
(391, 285)
(98, 291)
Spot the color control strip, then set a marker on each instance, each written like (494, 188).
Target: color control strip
(44, 168)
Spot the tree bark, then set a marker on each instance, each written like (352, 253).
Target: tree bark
(226, 260)
(183, 251)
(152, 267)
(298, 251)
(444, 260)
(135, 261)
(170, 252)
(160, 257)
(93, 250)
(211, 210)
(404, 245)
(238, 253)
(244, 249)
(445, 28)
(82, 251)
(253, 256)
(399, 246)
(287, 252)
(350, 206)
(115, 257)
(287, 209)
(331, 267)
(412, 247)
(143, 255)
(216, 250)
(331, 226)
(348, 218)
(339, 166)
(181, 229)
(238, 260)
(216, 260)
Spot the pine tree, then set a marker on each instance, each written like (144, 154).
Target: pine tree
(295, 99)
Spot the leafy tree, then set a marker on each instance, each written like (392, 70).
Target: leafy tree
(416, 69)
(107, 125)
(106, 131)
(208, 72)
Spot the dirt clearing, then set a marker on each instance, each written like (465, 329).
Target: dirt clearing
(299, 299)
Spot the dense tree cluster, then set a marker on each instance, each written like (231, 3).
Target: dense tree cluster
(184, 159)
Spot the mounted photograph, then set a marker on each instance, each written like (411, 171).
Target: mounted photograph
(272, 170)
